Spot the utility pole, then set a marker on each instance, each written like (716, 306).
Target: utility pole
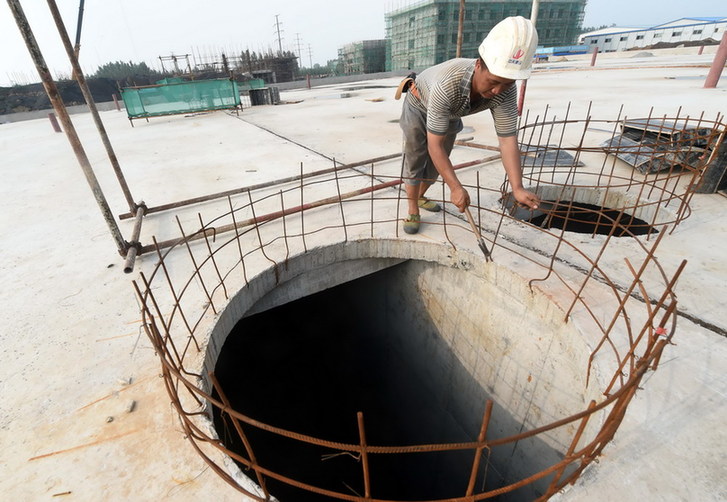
(310, 56)
(277, 28)
(460, 28)
(300, 54)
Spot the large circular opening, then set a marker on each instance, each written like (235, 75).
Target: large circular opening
(418, 348)
(589, 219)
(593, 211)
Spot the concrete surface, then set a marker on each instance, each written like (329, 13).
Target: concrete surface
(84, 415)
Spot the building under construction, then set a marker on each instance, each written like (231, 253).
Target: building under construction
(271, 66)
(425, 33)
(366, 56)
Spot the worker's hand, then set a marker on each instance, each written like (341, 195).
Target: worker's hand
(460, 198)
(526, 199)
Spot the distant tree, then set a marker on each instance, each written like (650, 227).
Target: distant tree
(120, 70)
(593, 28)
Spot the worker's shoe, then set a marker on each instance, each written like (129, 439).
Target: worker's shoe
(411, 224)
(428, 205)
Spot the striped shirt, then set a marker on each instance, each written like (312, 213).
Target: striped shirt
(444, 95)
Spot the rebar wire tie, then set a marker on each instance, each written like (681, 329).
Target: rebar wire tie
(329, 456)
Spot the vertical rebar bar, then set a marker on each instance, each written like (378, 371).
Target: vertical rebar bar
(237, 240)
(302, 213)
(241, 434)
(364, 455)
(572, 447)
(197, 268)
(340, 204)
(480, 446)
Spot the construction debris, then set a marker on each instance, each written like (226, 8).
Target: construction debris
(654, 145)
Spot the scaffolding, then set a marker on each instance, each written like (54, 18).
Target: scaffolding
(366, 56)
(425, 33)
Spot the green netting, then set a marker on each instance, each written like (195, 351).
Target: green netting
(255, 83)
(170, 80)
(180, 97)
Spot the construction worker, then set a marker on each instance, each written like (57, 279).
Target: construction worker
(442, 94)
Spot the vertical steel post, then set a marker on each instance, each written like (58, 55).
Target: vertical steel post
(79, 25)
(524, 85)
(78, 73)
(717, 64)
(521, 97)
(593, 58)
(534, 11)
(60, 109)
(460, 28)
(54, 122)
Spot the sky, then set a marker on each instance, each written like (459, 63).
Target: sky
(143, 30)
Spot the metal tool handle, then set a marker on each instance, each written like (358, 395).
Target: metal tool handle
(480, 240)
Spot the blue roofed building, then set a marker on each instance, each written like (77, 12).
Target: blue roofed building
(686, 29)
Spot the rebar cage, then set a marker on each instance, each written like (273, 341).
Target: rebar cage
(627, 305)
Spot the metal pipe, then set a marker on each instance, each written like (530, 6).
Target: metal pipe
(460, 28)
(54, 122)
(60, 110)
(91, 104)
(237, 191)
(534, 11)
(521, 97)
(717, 64)
(134, 244)
(202, 233)
(477, 145)
(79, 24)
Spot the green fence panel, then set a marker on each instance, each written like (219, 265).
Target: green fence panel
(180, 97)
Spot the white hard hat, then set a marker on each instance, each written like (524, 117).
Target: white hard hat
(509, 47)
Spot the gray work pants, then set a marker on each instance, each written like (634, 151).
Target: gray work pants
(417, 165)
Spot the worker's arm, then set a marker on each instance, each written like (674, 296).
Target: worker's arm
(459, 196)
(511, 161)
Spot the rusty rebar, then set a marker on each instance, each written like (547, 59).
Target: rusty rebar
(259, 186)
(645, 343)
(241, 434)
(480, 446)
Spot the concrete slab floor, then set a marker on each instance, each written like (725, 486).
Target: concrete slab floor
(84, 415)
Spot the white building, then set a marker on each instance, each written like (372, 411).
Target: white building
(686, 29)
